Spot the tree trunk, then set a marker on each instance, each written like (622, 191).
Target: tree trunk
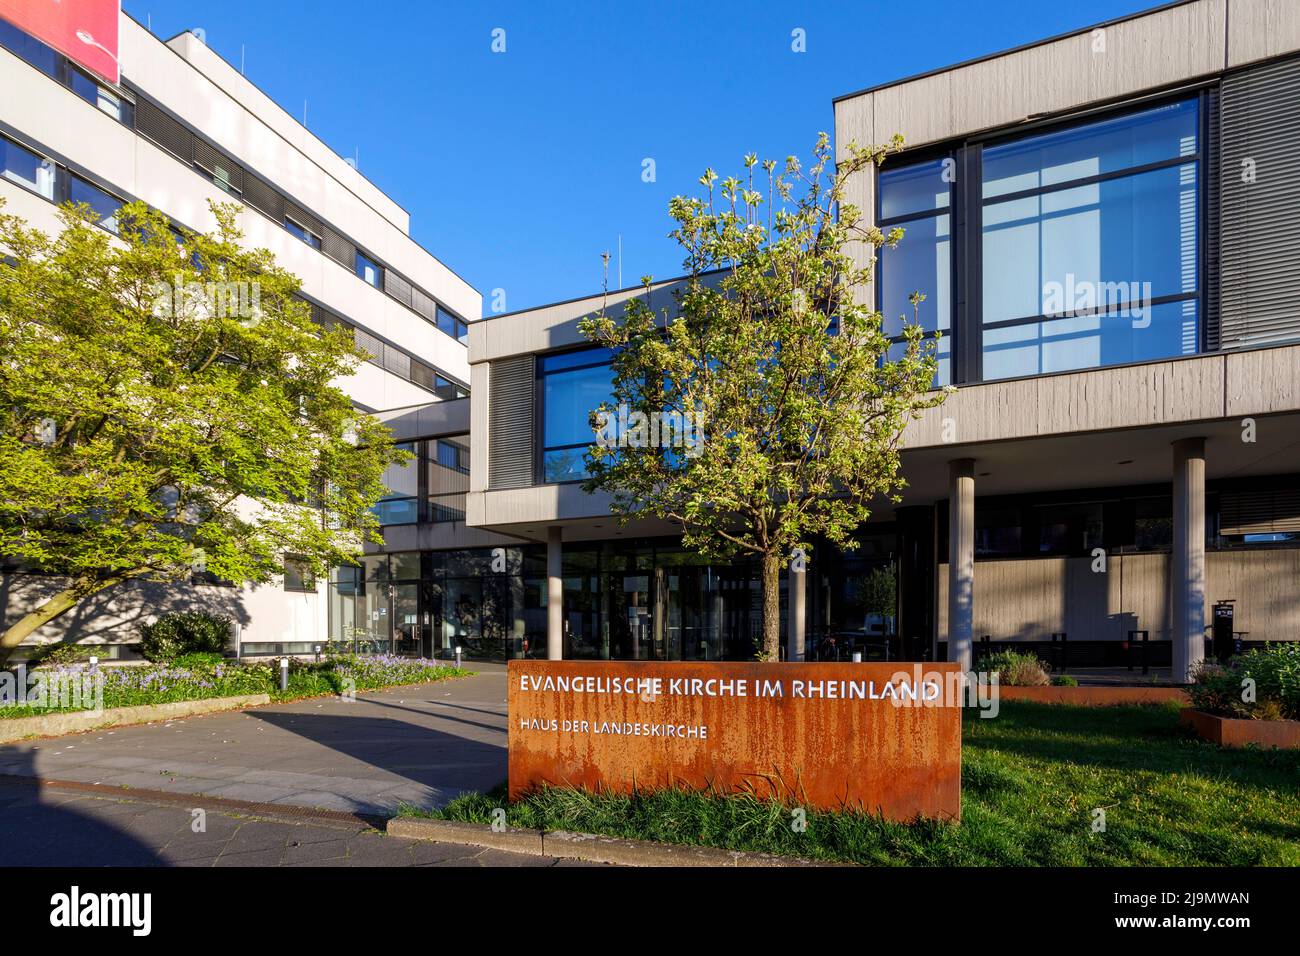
(57, 604)
(771, 607)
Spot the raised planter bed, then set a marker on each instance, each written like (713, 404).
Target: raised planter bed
(1235, 732)
(1094, 696)
(79, 721)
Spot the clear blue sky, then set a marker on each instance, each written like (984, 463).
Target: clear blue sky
(519, 168)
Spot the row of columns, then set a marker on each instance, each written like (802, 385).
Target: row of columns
(1186, 564)
(1186, 569)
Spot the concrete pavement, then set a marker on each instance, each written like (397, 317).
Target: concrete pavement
(53, 826)
(421, 745)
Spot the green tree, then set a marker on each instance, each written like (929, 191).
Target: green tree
(166, 403)
(772, 350)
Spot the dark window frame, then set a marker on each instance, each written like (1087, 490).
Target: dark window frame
(966, 206)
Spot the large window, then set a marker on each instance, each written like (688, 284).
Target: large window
(448, 470)
(369, 270)
(1081, 246)
(1089, 245)
(105, 206)
(27, 169)
(571, 385)
(918, 199)
(453, 325)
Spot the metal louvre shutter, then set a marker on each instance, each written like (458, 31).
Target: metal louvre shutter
(263, 197)
(422, 374)
(1210, 243)
(224, 171)
(397, 287)
(510, 423)
(338, 248)
(397, 362)
(423, 303)
(1260, 220)
(163, 130)
(1259, 512)
(369, 344)
(302, 217)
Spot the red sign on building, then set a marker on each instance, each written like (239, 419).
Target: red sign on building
(85, 31)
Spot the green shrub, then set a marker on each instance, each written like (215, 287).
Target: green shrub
(1064, 680)
(199, 659)
(184, 632)
(56, 655)
(1016, 668)
(1275, 670)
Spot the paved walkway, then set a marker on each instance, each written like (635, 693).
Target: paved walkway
(52, 826)
(421, 745)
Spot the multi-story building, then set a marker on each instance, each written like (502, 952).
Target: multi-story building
(1106, 226)
(182, 129)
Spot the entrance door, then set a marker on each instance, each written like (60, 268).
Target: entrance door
(405, 620)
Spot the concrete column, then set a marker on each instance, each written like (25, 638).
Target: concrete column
(1187, 562)
(961, 560)
(554, 595)
(797, 583)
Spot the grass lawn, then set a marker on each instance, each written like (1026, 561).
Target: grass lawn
(1031, 779)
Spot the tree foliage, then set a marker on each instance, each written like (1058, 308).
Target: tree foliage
(773, 348)
(167, 404)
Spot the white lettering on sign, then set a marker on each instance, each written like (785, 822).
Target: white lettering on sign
(654, 687)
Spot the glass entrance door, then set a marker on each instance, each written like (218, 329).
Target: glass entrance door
(407, 632)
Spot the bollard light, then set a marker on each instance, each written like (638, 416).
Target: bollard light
(457, 657)
(317, 652)
(94, 662)
(857, 657)
(284, 673)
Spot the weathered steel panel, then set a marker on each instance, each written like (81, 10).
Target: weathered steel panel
(861, 736)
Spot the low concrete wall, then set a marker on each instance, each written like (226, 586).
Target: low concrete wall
(75, 722)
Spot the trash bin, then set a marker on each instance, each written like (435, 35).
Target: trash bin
(1222, 630)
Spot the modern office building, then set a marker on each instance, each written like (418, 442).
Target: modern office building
(183, 128)
(1106, 226)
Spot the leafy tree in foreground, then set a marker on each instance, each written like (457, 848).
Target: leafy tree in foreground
(772, 350)
(166, 403)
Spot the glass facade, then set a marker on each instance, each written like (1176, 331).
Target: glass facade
(571, 385)
(429, 487)
(647, 599)
(1080, 249)
(918, 199)
(1096, 225)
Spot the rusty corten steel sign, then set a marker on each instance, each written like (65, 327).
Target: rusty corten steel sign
(880, 737)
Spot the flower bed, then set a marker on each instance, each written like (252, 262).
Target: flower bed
(200, 676)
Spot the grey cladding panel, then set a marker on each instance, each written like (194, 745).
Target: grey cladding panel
(510, 422)
(1260, 207)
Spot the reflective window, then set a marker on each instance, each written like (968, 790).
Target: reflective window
(1089, 245)
(29, 48)
(303, 233)
(369, 270)
(94, 94)
(448, 470)
(918, 199)
(298, 575)
(25, 168)
(107, 206)
(572, 386)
